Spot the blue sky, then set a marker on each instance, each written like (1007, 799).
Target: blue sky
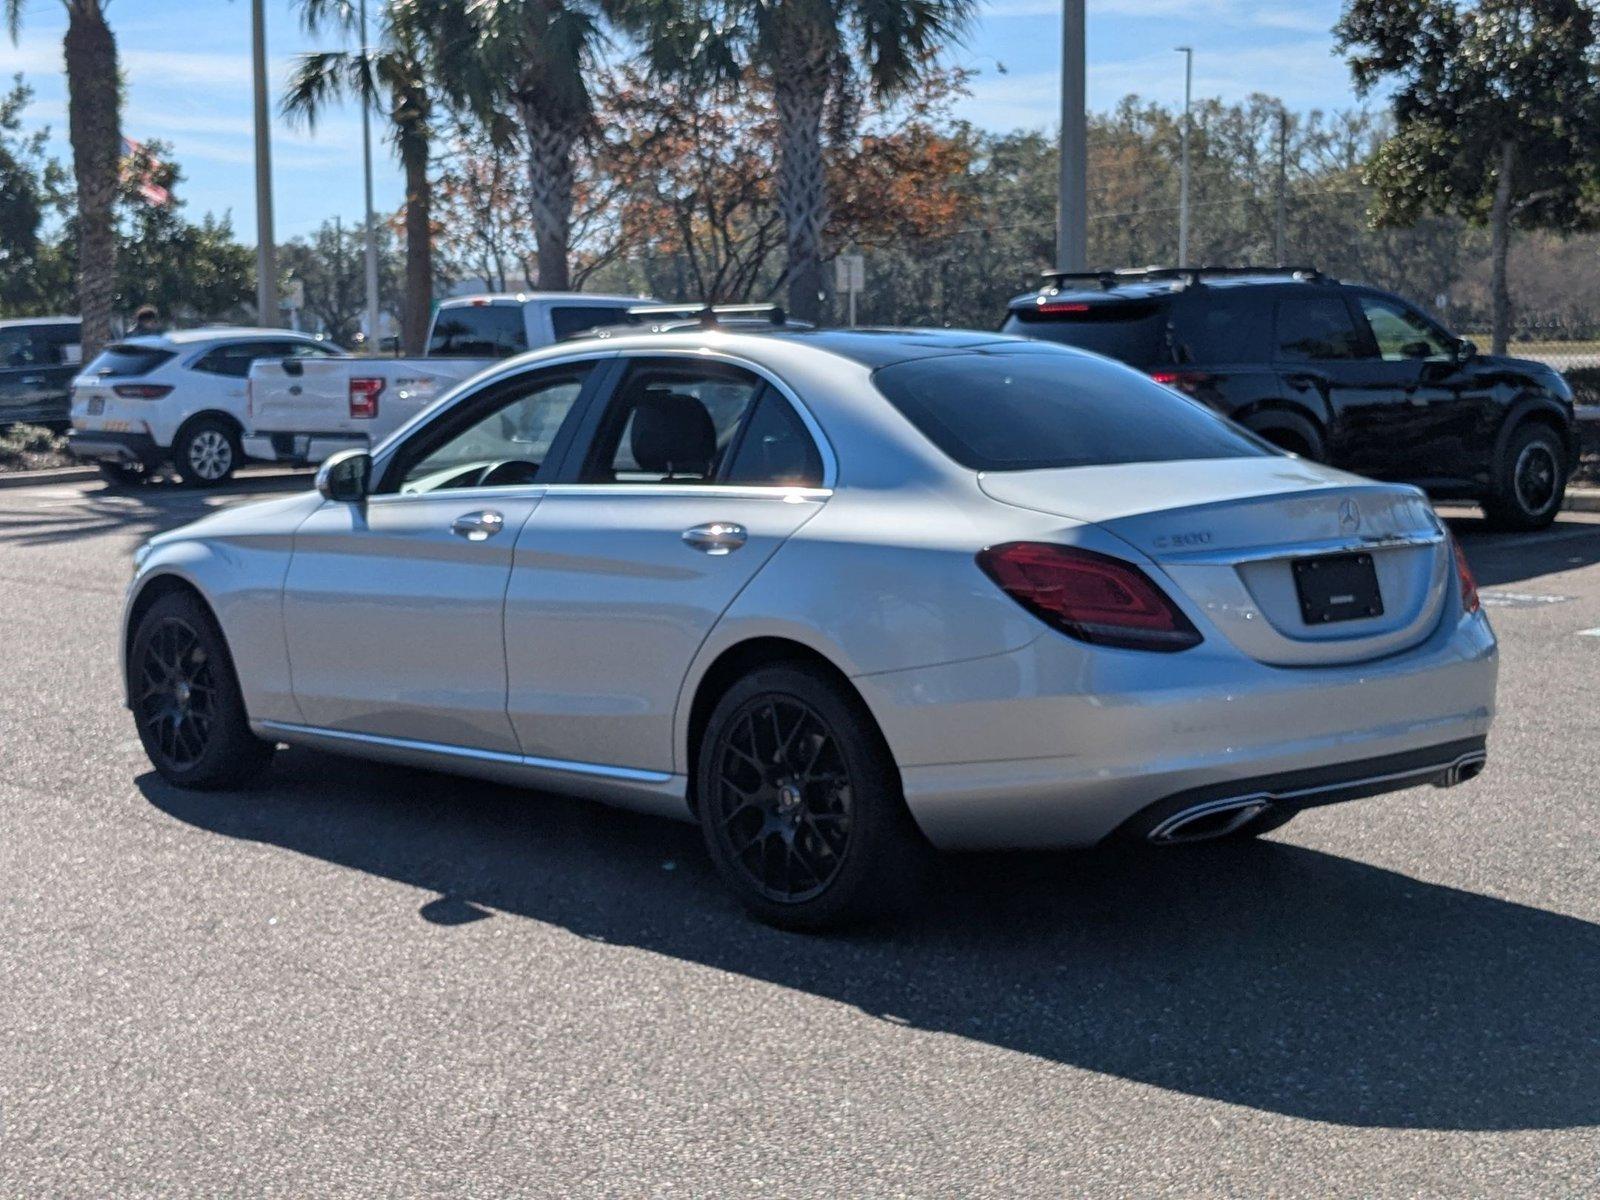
(188, 72)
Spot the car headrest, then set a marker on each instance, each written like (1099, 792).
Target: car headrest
(673, 434)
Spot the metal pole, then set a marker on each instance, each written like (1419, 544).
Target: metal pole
(1183, 186)
(1278, 248)
(1072, 227)
(372, 220)
(266, 252)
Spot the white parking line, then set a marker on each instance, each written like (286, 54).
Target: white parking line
(1589, 633)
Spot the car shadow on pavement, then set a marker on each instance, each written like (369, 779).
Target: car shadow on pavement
(98, 510)
(1264, 975)
(1499, 559)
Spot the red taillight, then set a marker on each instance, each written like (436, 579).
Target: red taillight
(1187, 382)
(364, 398)
(1469, 585)
(141, 391)
(1062, 306)
(1089, 596)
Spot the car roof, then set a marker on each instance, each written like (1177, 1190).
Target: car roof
(15, 322)
(1147, 289)
(576, 298)
(214, 333)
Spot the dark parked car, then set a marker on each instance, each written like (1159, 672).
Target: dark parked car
(38, 358)
(1341, 373)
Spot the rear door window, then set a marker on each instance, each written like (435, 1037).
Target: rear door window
(126, 360)
(1132, 331)
(478, 331)
(1020, 411)
(1317, 327)
(1219, 326)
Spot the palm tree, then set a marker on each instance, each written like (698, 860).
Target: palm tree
(533, 58)
(94, 106)
(396, 76)
(804, 49)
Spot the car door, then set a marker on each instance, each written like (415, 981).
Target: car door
(393, 608)
(1327, 360)
(1437, 428)
(684, 482)
(33, 375)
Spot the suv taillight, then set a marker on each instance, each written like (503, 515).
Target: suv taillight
(364, 398)
(141, 391)
(1187, 382)
(1469, 585)
(1089, 596)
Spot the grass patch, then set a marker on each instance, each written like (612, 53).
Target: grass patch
(32, 448)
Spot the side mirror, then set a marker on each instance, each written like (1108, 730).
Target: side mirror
(1466, 349)
(344, 476)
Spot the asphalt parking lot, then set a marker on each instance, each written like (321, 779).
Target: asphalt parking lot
(360, 980)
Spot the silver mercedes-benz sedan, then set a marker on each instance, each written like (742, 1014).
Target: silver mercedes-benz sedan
(838, 596)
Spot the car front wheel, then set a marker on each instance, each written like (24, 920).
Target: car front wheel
(186, 700)
(206, 453)
(1533, 480)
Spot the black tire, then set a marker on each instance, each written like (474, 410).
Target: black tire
(121, 474)
(812, 842)
(206, 452)
(1531, 480)
(185, 699)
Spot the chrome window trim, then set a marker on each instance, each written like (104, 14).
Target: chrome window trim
(1297, 549)
(600, 770)
(471, 387)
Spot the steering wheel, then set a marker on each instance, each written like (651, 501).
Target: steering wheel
(508, 473)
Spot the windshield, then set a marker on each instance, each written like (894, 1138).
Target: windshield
(1017, 411)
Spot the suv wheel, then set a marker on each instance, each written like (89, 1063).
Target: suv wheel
(1532, 480)
(800, 802)
(186, 701)
(206, 452)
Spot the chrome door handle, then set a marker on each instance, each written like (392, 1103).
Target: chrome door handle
(476, 526)
(716, 537)
(32, 379)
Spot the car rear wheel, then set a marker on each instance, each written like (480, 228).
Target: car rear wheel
(121, 474)
(206, 452)
(800, 802)
(186, 701)
(1533, 480)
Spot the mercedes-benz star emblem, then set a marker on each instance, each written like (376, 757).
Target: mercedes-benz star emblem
(1349, 517)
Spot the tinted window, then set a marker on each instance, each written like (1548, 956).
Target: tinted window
(235, 360)
(1218, 325)
(1134, 332)
(29, 348)
(126, 359)
(775, 448)
(571, 320)
(1401, 333)
(1018, 412)
(1316, 328)
(478, 331)
(503, 444)
(670, 424)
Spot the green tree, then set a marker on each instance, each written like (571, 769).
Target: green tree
(31, 185)
(811, 53)
(331, 267)
(397, 78)
(1496, 115)
(94, 115)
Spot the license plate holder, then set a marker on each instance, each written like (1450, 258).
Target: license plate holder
(1337, 587)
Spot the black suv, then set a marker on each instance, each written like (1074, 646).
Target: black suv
(38, 358)
(1344, 374)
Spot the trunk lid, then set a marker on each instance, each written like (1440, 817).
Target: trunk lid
(1228, 532)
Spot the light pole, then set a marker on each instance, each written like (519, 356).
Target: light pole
(1183, 185)
(266, 252)
(372, 221)
(1072, 215)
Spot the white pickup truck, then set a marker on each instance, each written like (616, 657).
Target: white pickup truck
(302, 410)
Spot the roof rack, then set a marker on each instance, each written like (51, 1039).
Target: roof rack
(1109, 279)
(709, 315)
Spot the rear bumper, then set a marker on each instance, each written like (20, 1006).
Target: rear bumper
(1057, 744)
(100, 445)
(300, 449)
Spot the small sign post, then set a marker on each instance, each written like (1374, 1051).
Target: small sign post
(850, 277)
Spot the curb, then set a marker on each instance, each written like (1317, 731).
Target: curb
(17, 479)
(1582, 500)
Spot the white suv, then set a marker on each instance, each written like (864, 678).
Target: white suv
(174, 397)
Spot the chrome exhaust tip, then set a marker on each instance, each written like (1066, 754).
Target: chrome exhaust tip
(1213, 819)
(1468, 766)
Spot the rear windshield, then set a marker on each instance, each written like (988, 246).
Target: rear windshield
(1012, 411)
(478, 331)
(1131, 331)
(571, 320)
(124, 360)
